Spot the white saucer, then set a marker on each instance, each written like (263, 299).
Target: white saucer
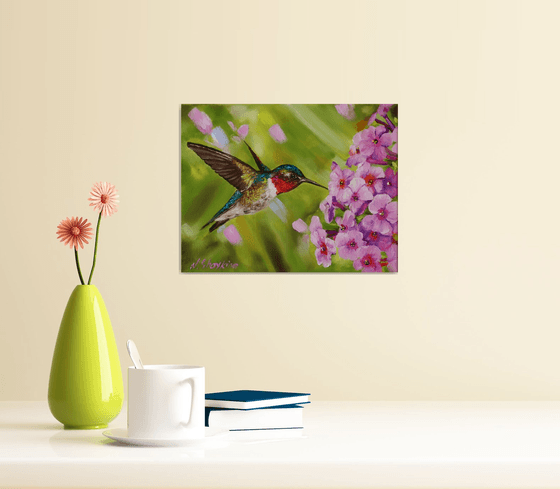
(210, 435)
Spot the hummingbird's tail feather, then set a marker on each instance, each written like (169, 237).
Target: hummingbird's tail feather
(218, 219)
(216, 225)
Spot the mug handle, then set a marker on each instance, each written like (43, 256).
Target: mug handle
(194, 390)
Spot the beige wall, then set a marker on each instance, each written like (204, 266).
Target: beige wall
(91, 91)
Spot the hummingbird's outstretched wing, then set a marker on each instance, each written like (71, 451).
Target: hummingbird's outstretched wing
(232, 169)
(260, 164)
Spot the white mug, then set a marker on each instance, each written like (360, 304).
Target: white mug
(166, 402)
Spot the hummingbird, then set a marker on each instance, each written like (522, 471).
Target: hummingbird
(255, 188)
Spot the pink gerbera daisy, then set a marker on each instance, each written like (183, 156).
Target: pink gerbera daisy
(74, 231)
(104, 198)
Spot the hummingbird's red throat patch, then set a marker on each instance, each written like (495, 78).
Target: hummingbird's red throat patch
(281, 185)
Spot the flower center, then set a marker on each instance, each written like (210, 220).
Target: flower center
(343, 227)
(374, 235)
(370, 181)
(355, 198)
(75, 230)
(381, 213)
(352, 244)
(374, 141)
(366, 262)
(341, 183)
(323, 248)
(388, 183)
(104, 199)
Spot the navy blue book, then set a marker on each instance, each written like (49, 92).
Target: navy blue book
(275, 417)
(249, 399)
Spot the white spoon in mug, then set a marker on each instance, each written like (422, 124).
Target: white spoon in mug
(134, 355)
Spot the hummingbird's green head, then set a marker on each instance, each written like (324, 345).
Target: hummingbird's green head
(288, 177)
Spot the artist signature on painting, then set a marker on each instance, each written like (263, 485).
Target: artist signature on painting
(204, 263)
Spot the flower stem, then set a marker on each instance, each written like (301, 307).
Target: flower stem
(390, 122)
(95, 249)
(383, 123)
(78, 265)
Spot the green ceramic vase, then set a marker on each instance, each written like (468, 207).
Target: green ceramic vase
(85, 385)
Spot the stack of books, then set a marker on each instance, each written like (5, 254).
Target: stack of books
(259, 411)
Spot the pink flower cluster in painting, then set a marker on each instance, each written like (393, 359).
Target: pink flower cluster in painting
(360, 212)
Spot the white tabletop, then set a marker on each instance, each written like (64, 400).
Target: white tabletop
(345, 444)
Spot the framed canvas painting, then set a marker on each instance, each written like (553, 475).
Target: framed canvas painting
(289, 188)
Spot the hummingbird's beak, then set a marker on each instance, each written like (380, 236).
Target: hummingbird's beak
(306, 180)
